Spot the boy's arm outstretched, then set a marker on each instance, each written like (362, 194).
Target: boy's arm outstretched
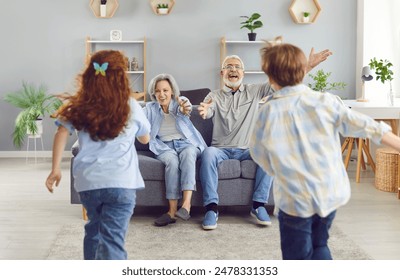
(60, 140)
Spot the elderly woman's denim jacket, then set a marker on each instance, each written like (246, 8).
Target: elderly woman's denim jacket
(184, 125)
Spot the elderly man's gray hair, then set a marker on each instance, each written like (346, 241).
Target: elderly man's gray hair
(232, 57)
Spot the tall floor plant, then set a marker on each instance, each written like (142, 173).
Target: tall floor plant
(35, 104)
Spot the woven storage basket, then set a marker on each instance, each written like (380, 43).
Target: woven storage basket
(386, 175)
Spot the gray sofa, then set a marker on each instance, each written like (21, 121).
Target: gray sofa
(235, 178)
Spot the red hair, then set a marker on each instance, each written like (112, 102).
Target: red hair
(101, 105)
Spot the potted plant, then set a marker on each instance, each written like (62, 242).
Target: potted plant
(251, 24)
(320, 82)
(103, 8)
(383, 73)
(35, 104)
(162, 9)
(306, 17)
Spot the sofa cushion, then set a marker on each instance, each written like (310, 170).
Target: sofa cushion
(151, 168)
(229, 169)
(205, 127)
(248, 168)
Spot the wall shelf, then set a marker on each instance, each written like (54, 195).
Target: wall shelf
(112, 6)
(297, 8)
(128, 48)
(154, 4)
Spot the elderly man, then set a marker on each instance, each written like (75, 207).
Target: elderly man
(234, 110)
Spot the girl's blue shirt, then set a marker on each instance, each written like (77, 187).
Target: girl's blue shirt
(111, 163)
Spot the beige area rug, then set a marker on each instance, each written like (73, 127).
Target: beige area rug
(188, 241)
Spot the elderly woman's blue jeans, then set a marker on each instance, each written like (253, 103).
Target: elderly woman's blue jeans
(109, 212)
(305, 238)
(180, 167)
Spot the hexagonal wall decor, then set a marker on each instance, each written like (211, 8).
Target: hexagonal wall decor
(298, 7)
(111, 7)
(155, 3)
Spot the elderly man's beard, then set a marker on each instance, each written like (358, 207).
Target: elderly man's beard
(233, 84)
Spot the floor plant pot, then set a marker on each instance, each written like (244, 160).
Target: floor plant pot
(252, 36)
(39, 131)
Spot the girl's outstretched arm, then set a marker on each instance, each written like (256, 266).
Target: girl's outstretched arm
(60, 140)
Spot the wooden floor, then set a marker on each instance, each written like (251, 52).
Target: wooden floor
(30, 216)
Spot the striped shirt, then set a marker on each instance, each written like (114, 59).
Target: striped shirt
(296, 140)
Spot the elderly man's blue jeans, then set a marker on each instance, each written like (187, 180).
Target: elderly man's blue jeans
(109, 212)
(210, 159)
(180, 167)
(305, 238)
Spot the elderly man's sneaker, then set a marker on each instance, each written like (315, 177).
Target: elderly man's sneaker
(261, 216)
(210, 220)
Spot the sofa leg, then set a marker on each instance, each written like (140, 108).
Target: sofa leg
(84, 214)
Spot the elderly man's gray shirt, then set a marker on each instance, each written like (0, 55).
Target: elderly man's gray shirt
(234, 115)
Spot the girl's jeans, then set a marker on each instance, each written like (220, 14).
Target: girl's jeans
(109, 212)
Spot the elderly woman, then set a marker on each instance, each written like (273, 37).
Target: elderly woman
(176, 142)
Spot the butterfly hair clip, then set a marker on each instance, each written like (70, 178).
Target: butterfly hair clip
(100, 69)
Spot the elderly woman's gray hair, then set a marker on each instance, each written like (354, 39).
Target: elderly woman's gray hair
(163, 77)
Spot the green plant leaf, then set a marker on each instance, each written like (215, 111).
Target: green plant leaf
(35, 103)
(252, 22)
(382, 69)
(320, 82)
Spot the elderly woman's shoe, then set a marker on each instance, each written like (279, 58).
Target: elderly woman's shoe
(183, 214)
(164, 220)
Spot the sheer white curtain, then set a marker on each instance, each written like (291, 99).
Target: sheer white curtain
(378, 35)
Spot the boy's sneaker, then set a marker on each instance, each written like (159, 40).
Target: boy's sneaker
(261, 216)
(210, 220)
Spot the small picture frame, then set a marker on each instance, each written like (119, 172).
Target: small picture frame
(116, 35)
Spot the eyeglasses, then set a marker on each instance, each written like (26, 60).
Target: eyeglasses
(232, 67)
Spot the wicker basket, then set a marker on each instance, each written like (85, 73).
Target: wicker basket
(387, 171)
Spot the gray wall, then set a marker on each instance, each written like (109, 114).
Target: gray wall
(43, 42)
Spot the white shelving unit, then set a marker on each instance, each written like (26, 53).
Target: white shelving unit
(225, 47)
(130, 48)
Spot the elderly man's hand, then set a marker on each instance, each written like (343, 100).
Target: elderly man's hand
(203, 108)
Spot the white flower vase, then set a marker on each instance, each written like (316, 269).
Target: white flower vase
(390, 98)
(103, 10)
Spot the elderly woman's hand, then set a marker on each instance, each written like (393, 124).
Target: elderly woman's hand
(184, 106)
